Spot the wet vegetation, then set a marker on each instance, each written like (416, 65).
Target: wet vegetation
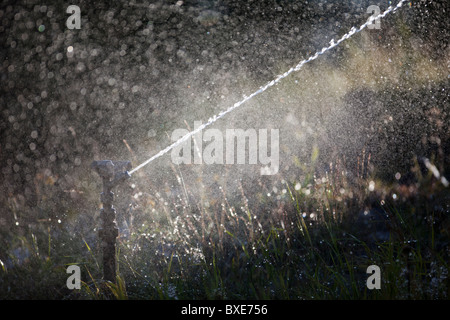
(364, 149)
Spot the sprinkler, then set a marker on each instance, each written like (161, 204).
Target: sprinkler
(112, 173)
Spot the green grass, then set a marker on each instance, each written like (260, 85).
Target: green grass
(231, 251)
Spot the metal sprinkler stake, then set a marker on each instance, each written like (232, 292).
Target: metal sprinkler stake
(112, 174)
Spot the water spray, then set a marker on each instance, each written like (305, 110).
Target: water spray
(280, 77)
(115, 172)
(112, 173)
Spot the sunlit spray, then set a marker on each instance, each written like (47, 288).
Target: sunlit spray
(213, 119)
(213, 147)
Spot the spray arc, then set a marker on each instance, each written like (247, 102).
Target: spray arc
(115, 172)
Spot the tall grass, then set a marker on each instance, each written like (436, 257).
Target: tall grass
(314, 239)
(315, 244)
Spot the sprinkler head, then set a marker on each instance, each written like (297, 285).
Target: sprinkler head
(112, 172)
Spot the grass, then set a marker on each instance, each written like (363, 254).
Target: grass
(314, 244)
